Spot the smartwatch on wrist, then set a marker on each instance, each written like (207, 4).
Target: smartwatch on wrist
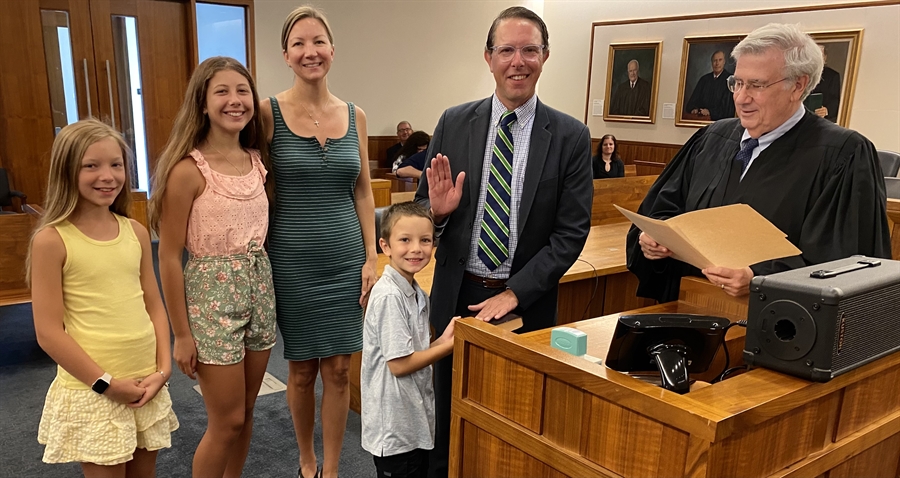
(101, 384)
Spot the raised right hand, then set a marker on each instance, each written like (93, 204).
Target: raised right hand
(185, 354)
(124, 391)
(442, 192)
(652, 250)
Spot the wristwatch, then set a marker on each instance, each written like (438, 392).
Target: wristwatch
(101, 384)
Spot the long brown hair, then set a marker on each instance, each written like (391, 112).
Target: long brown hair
(192, 125)
(68, 151)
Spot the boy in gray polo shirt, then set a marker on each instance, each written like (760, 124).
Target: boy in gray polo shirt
(396, 379)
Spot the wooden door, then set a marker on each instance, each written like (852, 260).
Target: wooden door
(32, 103)
(164, 63)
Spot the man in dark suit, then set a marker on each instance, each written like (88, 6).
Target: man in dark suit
(404, 129)
(519, 211)
(711, 98)
(632, 98)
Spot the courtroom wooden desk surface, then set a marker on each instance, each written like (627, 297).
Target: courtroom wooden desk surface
(381, 192)
(603, 254)
(522, 408)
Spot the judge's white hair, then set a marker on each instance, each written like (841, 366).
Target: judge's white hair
(801, 54)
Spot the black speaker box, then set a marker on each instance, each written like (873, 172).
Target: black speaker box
(824, 320)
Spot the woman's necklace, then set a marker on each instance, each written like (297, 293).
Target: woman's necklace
(239, 170)
(315, 121)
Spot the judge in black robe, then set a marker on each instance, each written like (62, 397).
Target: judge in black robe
(631, 100)
(712, 94)
(819, 183)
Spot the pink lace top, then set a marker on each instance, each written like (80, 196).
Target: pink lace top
(231, 211)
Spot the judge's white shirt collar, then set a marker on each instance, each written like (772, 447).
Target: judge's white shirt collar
(768, 138)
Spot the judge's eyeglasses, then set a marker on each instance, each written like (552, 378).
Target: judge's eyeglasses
(529, 52)
(753, 89)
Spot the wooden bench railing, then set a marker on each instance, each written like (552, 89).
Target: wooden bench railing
(648, 168)
(14, 241)
(627, 192)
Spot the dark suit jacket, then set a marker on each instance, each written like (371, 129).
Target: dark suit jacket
(392, 153)
(554, 214)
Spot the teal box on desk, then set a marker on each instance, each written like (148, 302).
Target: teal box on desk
(569, 340)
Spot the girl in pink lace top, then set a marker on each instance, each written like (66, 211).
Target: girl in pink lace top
(209, 196)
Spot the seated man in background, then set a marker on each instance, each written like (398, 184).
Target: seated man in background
(817, 182)
(404, 129)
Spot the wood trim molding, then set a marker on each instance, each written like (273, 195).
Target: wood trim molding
(744, 13)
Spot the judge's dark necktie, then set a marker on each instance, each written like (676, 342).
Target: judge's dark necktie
(493, 244)
(746, 152)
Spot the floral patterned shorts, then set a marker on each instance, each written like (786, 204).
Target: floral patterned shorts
(230, 305)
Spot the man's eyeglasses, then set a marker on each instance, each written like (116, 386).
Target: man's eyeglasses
(404, 130)
(529, 52)
(753, 89)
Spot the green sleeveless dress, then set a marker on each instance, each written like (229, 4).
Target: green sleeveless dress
(315, 242)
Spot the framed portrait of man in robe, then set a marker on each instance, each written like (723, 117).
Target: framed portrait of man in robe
(632, 81)
(703, 94)
(832, 98)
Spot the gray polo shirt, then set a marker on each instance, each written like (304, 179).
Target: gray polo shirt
(397, 412)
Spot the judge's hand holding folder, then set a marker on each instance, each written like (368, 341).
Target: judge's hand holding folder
(722, 242)
(735, 282)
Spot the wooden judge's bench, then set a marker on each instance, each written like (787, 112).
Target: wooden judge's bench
(524, 409)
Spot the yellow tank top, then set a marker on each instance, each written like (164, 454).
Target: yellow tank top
(104, 303)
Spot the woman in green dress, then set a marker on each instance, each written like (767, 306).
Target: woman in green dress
(322, 234)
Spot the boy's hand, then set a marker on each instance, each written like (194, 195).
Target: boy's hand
(447, 336)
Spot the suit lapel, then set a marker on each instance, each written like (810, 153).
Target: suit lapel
(477, 136)
(537, 156)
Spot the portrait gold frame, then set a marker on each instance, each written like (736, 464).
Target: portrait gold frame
(682, 96)
(853, 40)
(654, 80)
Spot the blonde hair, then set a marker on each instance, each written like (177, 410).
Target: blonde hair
(69, 149)
(298, 14)
(192, 125)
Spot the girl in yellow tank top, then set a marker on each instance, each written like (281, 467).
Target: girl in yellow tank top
(98, 313)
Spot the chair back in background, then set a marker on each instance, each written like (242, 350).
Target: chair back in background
(892, 185)
(890, 163)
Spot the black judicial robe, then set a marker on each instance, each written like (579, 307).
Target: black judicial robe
(819, 183)
(713, 94)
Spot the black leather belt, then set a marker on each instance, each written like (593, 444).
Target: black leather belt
(485, 282)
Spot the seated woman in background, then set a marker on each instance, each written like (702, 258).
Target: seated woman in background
(416, 142)
(607, 163)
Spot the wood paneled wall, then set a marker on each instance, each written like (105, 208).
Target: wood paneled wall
(628, 150)
(378, 146)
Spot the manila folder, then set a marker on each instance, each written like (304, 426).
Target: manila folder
(734, 236)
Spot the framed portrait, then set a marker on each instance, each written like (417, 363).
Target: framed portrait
(834, 93)
(703, 95)
(632, 81)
